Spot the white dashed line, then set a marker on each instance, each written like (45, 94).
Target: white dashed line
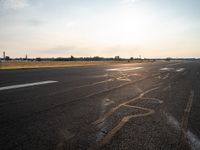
(166, 69)
(124, 69)
(25, 85)
(180, 70)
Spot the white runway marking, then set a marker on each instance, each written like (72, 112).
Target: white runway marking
(123, 79)
(172, 121)
(183, 127)
(180, 70)
(194, 141)
(107, 102)
(166, 69)
(125, 69)
(25, 85)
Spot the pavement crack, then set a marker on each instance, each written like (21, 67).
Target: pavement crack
(125, 119)
(184, 123)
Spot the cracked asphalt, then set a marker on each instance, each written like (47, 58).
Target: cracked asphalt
(149, 106)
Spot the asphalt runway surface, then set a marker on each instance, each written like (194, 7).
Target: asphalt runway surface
(123, 107)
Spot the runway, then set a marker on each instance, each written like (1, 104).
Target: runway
(128, 106)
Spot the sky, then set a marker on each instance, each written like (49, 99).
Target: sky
(108, 28)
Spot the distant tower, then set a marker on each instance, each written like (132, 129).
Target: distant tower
(4, 55)
(26, 57)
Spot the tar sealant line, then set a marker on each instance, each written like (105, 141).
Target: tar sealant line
(166, 76)
(125, 119)
(25, 85)
(193, 140)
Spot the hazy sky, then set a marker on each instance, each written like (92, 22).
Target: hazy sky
(151, 28)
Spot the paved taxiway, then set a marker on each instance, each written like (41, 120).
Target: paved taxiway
(130, 106)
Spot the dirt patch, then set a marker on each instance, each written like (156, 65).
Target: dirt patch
(46, 64)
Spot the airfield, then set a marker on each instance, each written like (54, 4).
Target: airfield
(107, 106)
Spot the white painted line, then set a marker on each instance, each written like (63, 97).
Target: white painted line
(194, 141)
(129, 69)
(125, 69)
(123, 79)
(108, 102)
(112, 69)
(166, 69)
(183, 127)
(180, 70)
(25, 85)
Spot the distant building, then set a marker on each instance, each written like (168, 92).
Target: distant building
(4, 55)
(117, 57)
(7, 58)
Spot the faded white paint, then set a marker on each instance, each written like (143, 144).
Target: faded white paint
(180, 70)
(107, 102)
(166, 76)
(166, 69)
(193, 140)
(25, 85)
(125, 69)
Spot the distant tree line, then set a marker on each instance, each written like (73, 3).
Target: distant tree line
(95, 58)
(72, 58)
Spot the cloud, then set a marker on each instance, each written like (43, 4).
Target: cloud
(14, 4)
